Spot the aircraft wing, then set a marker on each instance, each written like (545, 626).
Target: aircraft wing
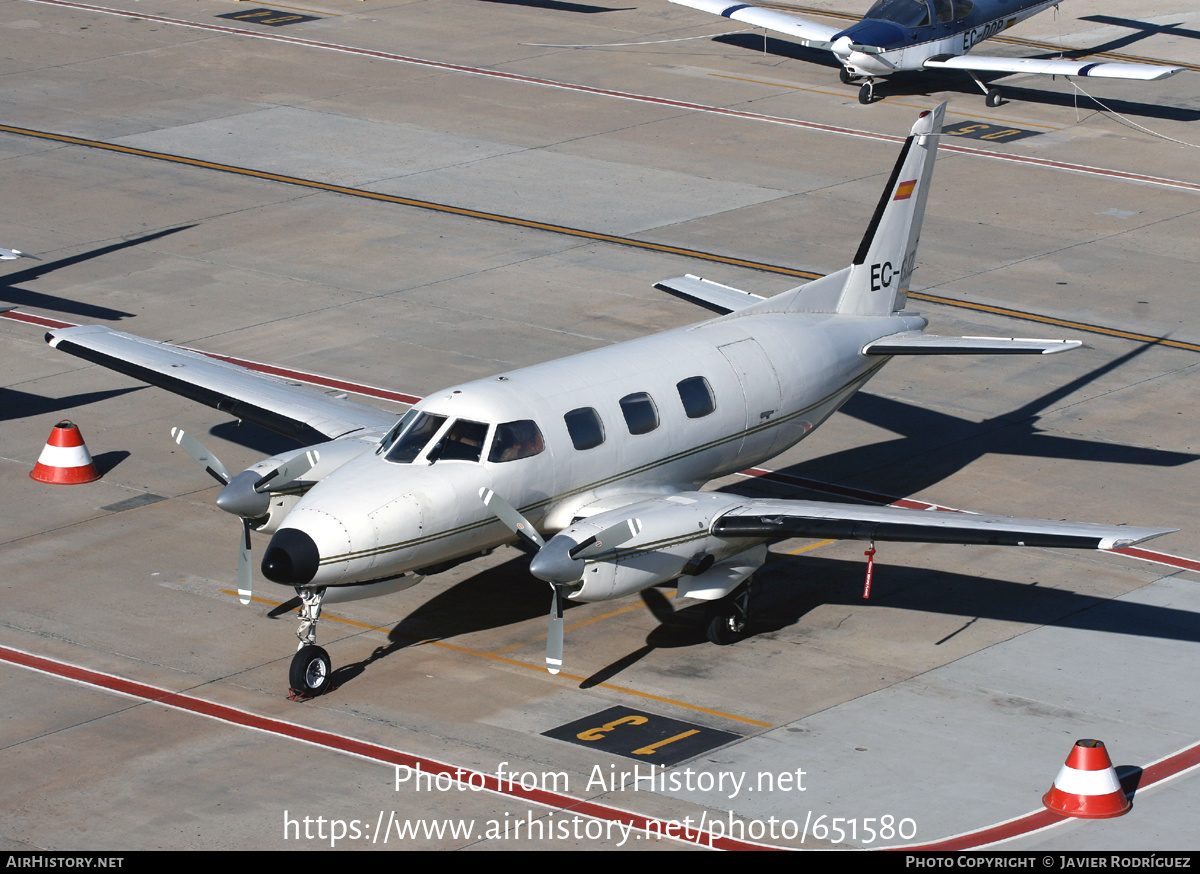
(780, 518)
(302, 413)
(1052, 67)
(710, 295)
(917, 343)
(807, 32)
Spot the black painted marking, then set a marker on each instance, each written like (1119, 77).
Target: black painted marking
(269, 17)
(996, 133)
(134, 502)
(644, 737)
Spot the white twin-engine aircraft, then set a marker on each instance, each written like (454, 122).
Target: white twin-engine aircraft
(603, 452)
(898, 36)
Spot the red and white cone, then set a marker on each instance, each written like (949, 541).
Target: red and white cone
(1087, 786)
(65, 460)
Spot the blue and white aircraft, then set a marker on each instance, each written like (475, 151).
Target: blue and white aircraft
(910, 35)
(595, 462)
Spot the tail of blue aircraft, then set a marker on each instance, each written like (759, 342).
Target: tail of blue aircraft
(876, 282)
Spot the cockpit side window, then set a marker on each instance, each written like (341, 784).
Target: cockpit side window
(585, 428)
(944, 10)
(906, 13)
(412, 438)
(641, 415)
(515, 440)
(463, 442)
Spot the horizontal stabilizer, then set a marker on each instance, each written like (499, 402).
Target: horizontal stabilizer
(916, 343)
(779, 519)
(1053, 67)
(710, 295)
(287, 408)
(807, 32)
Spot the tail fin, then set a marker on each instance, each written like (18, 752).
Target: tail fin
(877, 284)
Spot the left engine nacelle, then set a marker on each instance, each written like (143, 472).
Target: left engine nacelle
(674, 541)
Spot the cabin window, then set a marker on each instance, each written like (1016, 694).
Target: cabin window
(585, 428)
(697, 397)
(516, 440)
(944, 10)
(963, 8)
(411, 439)
(906, 13)
(463, 442)
(640, 413)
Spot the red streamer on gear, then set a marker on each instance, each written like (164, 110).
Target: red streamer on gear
(870, 554)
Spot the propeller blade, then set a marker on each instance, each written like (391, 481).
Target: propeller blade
(245, 584)
(202, 456)
(508, 514)
(294, 468)
(610, 538)
(554, 635)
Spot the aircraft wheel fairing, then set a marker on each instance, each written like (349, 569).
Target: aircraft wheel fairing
(310, 670)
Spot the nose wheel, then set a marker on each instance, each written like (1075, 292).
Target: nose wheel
(866, 94)
(311, 668)
(309, 674)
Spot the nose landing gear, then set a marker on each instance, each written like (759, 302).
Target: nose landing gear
(311, 668)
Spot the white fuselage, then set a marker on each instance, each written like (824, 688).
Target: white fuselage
(774, 376)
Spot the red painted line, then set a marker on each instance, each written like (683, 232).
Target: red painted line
(31, 319)
(625, 95)
(365, 750)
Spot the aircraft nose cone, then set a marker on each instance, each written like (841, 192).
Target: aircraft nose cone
(291, 558)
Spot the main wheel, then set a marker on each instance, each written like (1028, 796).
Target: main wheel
(309, 674)
(992, 98)
(725, 628)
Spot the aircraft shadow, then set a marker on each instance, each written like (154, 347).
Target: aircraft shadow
(23, 297)
(255, 437)
(789, 588)
(1142, 31)
(780, 48)
(933, 446)
(23, 405)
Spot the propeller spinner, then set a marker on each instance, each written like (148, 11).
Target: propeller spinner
(246, 496)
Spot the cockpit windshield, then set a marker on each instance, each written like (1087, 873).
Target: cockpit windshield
(410, 435)
(907, 13)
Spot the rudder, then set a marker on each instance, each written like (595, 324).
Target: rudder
(877, 284)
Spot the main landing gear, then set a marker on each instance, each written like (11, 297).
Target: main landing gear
(311, 669)
(728, 617)
(991, 96)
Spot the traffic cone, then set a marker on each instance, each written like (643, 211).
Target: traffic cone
(65, 460)
(1087, 786)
